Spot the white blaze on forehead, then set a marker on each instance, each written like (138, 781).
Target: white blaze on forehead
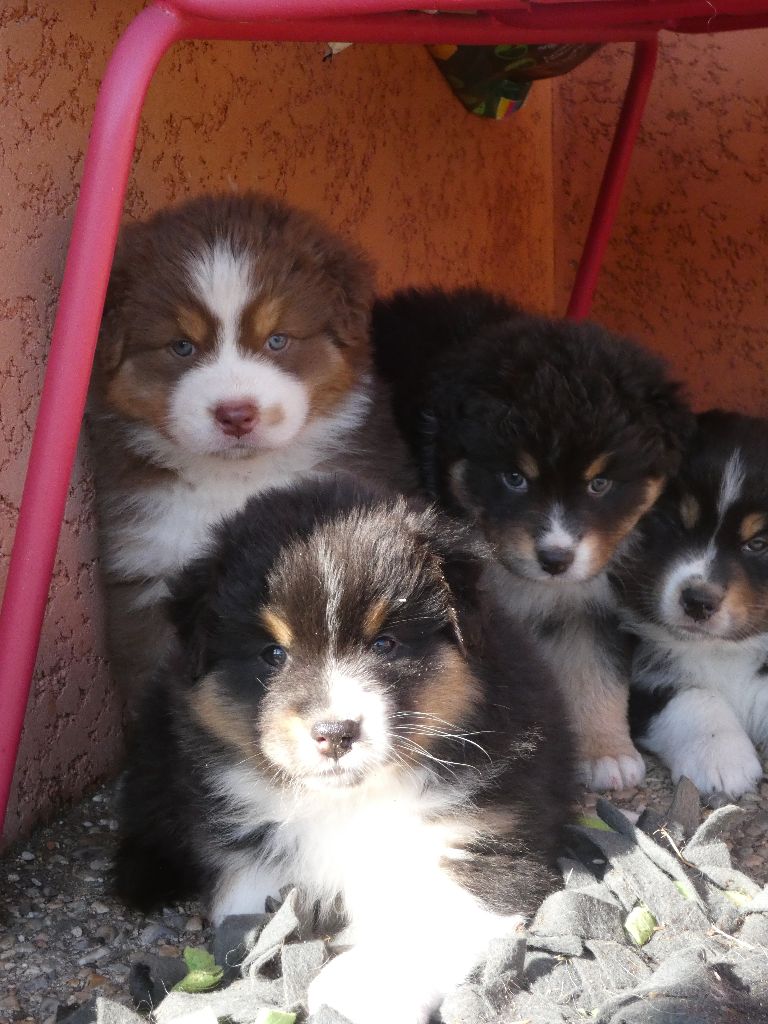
(222, 280)
(731, 483)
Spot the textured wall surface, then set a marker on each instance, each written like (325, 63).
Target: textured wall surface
(373, 141)
(687, 268)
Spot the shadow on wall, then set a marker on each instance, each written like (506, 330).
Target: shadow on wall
(373, 141)
(687, 268)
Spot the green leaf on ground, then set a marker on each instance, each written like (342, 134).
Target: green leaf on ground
(640, 924)
(590, 821)
(265, 1016)
(203, 972)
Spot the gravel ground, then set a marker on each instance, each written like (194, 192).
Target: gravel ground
(63, 939)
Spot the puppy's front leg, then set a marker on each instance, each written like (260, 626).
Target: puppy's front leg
(401, 970)
(697, 734)
(608, 758)
(243, 887)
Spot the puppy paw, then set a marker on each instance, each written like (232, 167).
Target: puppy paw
(355, 985)
(728, 766)
(622, 771)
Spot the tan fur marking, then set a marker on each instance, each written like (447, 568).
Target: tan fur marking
(374, 619)
(219, 717)
(690, 510)
(528, 465)
(266, 317)
(754, 523)
(604, 544)
(448, 695)
(277, 627)
(597, 466)
(272, 415)
(192, 324)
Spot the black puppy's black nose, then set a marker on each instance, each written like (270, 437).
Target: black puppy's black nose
(555, 560)
(335, 739)
(700, 601)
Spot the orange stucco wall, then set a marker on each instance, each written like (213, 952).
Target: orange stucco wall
(687, 268)
(373, 141)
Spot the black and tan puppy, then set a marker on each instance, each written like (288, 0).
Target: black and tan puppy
(697, 595)
(555, 438)
(347, 714)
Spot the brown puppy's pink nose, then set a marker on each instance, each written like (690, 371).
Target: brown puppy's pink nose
(236, 419)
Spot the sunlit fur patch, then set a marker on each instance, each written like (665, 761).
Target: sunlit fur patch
(752, 524)
(528, 465)
(597, 467)
(445, 699)
(220, 717)
(739, 604)
(690, 511)
(374, 619)
(277, 627)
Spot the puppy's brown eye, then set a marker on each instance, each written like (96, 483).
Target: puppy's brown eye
(599, 485)
(383, 645)
(182, 347)
(514, 481)
(756, 546)
(274, 655)
(277, 342)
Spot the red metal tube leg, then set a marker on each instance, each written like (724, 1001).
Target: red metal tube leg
(614, 177)
(91, 248)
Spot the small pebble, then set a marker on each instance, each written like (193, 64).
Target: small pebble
(193, 924)
(93, 956)
(77, 931)
(167, 950)
(99, 908)
(27, 855)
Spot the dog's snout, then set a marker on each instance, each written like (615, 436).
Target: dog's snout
(335, 739)
(555, 561)
(236, 419)
(700, 601)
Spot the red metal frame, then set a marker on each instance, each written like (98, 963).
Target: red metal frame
(105, 176)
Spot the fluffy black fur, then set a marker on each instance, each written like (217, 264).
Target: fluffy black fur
(554, 438)
(509, 752)
(474, 377)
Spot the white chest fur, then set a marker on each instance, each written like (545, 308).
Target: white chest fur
(151, 533)
(733, 672)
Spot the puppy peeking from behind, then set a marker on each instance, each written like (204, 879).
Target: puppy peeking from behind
(555, 438)
(345, 712)
(234, 355)
(697, 596)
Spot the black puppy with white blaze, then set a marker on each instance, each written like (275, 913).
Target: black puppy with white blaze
(345, 713)
(554, 438)
(698, 599)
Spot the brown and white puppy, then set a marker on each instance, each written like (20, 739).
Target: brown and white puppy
(234, 356)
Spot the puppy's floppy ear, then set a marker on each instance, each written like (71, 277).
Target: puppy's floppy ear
(115, 319)
(675, 422)
(463, 558)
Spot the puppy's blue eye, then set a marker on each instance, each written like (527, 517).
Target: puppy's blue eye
(182, 347)
(514, 482)
(276, 342)
(275, 655)
(599, 485)
(756, 546)
(383, 645)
